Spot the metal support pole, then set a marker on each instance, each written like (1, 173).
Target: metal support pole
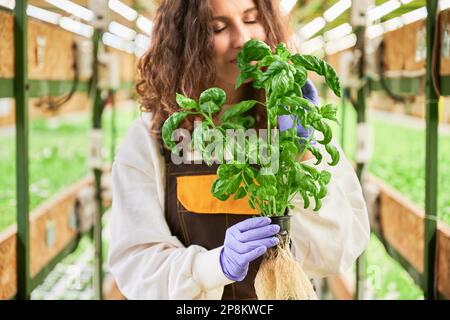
(343, 107)
(112, 94)
(360, 166)
(21, 88)
(97, 124)
(431, 154)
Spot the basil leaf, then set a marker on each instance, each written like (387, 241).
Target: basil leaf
(266, 179)
(251, 172)
(198, 136)
(185, 102)
(262, 193)
(254, 50)
(209, 107)
(215, 95)
(299, 177)
(283, 52)
(238, 109)
(300, 76)
(232, 125)
(170, 125)
(305, 199)
(290, 146)
(241, 79)
(299, 101)
(271, 191)
(316, 153)
(329, 112)
(325, 176)
(323, 192)
(334, 153)
(311, 170)
(240, 193)
(225, 171)
(218, 189)
(233, 184)
(282, 82)
(318, 203)
(325, 129)
(266, 61)
(320, 67)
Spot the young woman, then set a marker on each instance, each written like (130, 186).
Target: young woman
(170, 239)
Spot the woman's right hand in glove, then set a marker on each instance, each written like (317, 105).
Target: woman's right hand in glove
(245, 242)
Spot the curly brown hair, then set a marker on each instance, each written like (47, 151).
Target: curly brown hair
(180, 57)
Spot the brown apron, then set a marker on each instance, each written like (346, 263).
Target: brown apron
(195, 217)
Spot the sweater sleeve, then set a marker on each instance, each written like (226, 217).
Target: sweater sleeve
(146, 260)
(328, 241)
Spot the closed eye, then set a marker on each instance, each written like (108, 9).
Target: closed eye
(219, 30)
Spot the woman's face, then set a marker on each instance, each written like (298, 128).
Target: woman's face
(234, 23)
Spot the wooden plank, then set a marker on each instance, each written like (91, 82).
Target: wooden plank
(397, 213)
(8, 263)
(50, 51)
(46, 42)
(443, 260)
(400, 48)
(45, 59)
(58, 210)
(402, 225)
(6, 45)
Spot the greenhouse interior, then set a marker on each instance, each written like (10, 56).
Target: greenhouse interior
(77, 76)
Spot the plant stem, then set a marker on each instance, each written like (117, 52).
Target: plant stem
(208, 119)
(305, 147)
(250, 196)
(268, 131)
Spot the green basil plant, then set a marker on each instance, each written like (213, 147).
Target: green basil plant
(281, 75)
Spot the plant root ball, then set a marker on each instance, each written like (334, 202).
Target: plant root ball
(280, 277)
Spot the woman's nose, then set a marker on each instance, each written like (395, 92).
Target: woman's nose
(240, 36)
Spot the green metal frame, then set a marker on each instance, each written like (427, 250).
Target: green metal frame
(431, 160)
(361, 118)
(445, 85)
(21, 88)
(6, 88)
(410, 85)
(399, 85)
(345, 94)
(42, 88)
(98, 107)
(39, 88)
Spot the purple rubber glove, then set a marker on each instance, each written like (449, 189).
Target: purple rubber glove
(244, 242)
(285, 122)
